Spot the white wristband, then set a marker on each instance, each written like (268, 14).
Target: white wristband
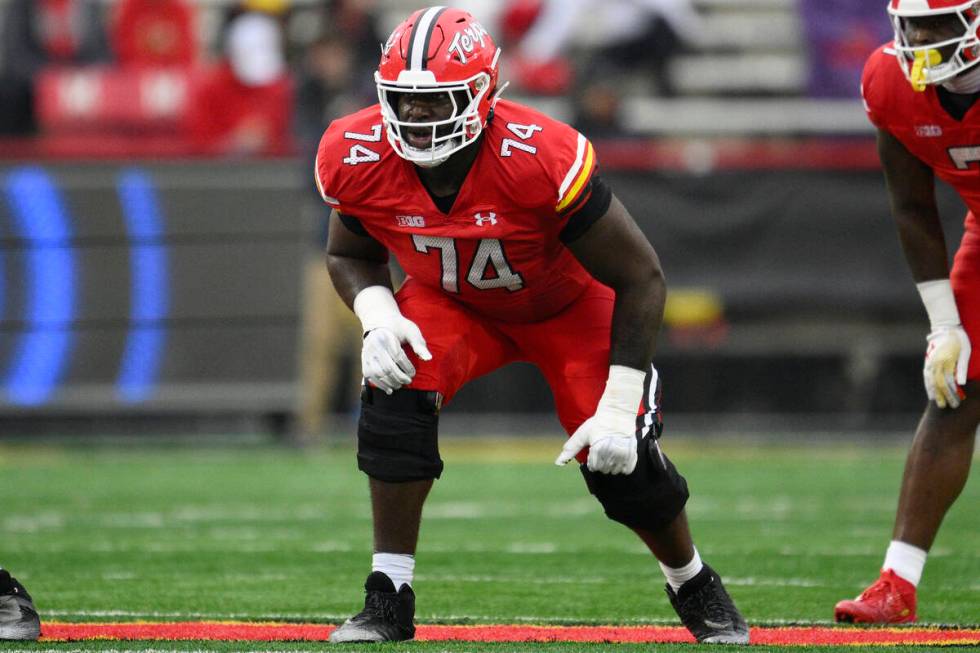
(375, 306)
(937, 296)
(621, 400)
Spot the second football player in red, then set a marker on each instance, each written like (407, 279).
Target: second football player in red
(921, 93)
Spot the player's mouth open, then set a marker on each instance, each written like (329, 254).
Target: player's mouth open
(419, 138)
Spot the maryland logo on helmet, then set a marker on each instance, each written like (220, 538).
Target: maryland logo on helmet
(938, 61)
(438, 50)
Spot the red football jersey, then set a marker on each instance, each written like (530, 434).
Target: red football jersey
(498, 249)
(949, 146)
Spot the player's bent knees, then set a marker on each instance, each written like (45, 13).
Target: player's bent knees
(650, 498)
(397, 435)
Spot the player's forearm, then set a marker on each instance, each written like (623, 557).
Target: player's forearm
(923, 243)
(912, 194)
(637, 314)
(352, 275)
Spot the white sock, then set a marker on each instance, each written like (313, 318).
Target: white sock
(399, 567)
(906, 561)
(679, 576)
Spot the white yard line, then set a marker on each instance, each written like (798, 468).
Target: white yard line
(196, 616)
(537, 580)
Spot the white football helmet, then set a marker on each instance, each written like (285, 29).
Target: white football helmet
(927, 64)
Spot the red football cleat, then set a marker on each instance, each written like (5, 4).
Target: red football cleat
(890, 600)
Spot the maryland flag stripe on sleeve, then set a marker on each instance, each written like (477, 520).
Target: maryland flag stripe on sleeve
(575, 181)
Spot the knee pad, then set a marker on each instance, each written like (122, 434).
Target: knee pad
(650, 498)
(397, 435)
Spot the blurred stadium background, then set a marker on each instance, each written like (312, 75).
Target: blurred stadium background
(161, 278)
(161, 264)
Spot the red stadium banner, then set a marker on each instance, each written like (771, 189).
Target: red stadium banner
(148, 100)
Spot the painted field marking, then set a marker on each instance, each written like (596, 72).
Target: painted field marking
(267, 632)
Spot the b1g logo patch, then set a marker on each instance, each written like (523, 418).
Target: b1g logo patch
(410, 220)
(928, 131)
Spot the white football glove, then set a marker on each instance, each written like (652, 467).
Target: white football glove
(383, 360)
(610, 434)
(947, 359)
(948, 349)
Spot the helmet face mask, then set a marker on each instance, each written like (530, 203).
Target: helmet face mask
(437, 50)
(448, 135)
(956, 47)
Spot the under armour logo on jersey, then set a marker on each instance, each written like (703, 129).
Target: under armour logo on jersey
(928, 131)
(481, 219)
(410, 220)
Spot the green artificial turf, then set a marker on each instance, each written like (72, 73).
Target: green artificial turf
(251, 533)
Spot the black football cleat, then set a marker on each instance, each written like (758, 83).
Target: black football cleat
(18, 618)
(388, 616)
(707, 610)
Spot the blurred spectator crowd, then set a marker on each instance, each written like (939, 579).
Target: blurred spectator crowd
(144, 76)
(264, 77)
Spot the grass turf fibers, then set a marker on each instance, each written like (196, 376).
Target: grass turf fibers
(266, 534)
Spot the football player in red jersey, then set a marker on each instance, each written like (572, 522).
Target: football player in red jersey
(921, 93)
(514, 249)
